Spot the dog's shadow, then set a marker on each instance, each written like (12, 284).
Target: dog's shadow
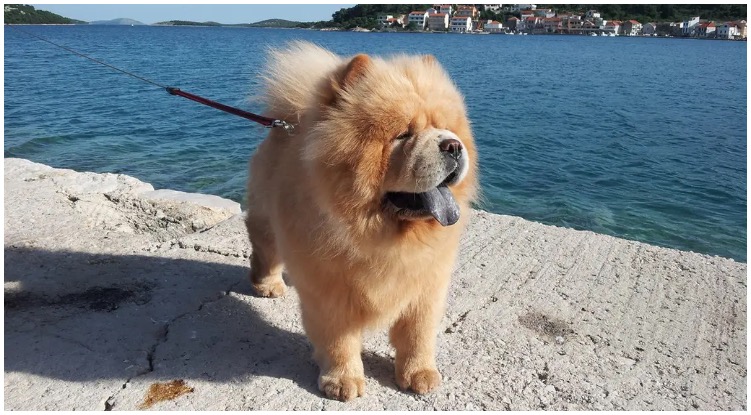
(82, 317)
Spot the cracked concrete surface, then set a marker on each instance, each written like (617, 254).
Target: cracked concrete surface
(111, 286)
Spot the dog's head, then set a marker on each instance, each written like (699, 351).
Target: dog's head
(390, 143)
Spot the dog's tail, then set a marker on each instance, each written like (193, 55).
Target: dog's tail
(293, 77)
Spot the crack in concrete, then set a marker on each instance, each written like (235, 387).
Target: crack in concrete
(109, 403)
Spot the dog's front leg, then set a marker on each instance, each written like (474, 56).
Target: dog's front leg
(414, 337)
(337, 341)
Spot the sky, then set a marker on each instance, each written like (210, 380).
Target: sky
(222, 13)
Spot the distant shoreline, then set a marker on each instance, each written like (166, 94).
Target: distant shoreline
(368, 31)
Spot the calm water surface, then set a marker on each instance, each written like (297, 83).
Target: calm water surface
(640, 138)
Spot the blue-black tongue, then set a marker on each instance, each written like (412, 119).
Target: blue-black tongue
(441, 204)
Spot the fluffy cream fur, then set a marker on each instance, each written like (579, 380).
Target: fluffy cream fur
(316, 206)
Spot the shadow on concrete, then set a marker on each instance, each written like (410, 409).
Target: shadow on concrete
(83, 317)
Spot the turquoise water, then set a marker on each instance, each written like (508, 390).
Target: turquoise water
(639, 138)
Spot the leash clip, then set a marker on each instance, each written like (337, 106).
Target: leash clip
(289, 128)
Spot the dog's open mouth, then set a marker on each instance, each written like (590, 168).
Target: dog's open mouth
(438, 203)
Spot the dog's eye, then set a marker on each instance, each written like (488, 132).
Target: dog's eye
(403, 136)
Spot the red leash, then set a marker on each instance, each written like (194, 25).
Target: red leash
(260, 119)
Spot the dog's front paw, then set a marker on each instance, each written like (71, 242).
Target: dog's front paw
(274, 288)
(343, 388)
(420, 381)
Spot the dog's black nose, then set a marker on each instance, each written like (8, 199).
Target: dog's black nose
(451, 146)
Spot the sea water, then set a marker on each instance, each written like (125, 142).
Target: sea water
(641, 138)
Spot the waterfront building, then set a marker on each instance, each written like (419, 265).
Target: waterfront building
(728, 30)
(512, 23)
(592, 14)
(438, 22)
(528, 24)
(467, 11)
(689, 25)
(706, 29)
(632, 28)
(589, 27)
(461, 24)
(553, 25)
(742, 28)
(383, 19)
(444, 8)
(493, 27)
(526, 14)
(573, 24)
(420, 19)
(613, 27)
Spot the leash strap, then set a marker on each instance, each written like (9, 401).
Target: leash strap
(265, 121)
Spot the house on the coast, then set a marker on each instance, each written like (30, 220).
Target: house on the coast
(728, 30)
(573, 24)
(631, 28)
(705, 29)
(461, 24)
(492, 26)
(688, 26)
(612, 27)
(553, 25)
(438, 22)
(528, 24)
(592, 14)
(420, 19)
(467, 11)
(511, 23)
(495, 8)
(525, 14)
(589, 27)
(444, 8)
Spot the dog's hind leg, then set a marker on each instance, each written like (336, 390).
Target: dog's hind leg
(265, 263)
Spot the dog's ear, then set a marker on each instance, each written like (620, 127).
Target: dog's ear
(346, 77)
(429, 59)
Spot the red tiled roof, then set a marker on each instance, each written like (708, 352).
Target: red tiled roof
(553, 19)
(513, 18)
(417, 12)
(531, 19)
(438, 14)
(634, 22)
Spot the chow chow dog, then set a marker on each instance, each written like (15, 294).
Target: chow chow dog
(363, 205)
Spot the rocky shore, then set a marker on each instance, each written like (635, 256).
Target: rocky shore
(112, 287)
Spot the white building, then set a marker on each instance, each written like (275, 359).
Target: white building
(444, 8)
(493, 7)
(706, 29)
(689, 25)
(593, 14)
(420, 19)
(493, 27)
(632, 28)
(461, 24)
(727, 31)
(383, 19)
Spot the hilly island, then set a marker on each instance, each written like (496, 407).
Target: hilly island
(371, 16)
